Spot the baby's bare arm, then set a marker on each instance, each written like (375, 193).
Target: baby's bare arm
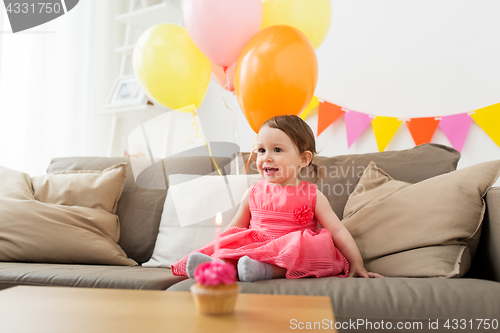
(342, 238)
(325, 215)
(242, 218)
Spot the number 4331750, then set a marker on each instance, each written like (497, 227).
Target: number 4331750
(485, 324)
(40, 7)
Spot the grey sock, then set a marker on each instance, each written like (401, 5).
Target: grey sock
(252, 270)
(194, 260)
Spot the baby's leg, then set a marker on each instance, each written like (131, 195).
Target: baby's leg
(252, 270)
(278, 272)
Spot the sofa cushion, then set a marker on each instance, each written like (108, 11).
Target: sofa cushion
(389, 299)
(32, 231)
(86, 276)
(92, 189)
(139, 208)
(184, 229)
(486, 263)
(431, 228)
(343, 172)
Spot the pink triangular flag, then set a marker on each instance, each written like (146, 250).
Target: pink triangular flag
(355, 124)
(455, 128)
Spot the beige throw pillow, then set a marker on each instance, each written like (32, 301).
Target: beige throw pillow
(427, 229)
(32, 231)
(92, 189)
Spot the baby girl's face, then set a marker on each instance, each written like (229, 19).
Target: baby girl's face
(278, 160)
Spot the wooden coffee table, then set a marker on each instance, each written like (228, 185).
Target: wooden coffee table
(57, 309)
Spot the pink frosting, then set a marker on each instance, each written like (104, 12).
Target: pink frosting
(303, 214)
(213, 273)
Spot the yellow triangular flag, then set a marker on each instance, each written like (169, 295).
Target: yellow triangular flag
(314, 103)
(488, 119)
(384, 129)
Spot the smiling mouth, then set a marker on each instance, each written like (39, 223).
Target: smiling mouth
(271, 170)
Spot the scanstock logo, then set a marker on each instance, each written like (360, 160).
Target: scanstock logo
(26, 14)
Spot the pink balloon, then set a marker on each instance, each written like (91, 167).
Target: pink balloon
(221, 78)
(221, 28)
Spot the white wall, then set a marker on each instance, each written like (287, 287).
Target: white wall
(106, 66)
(385, 57)
(396, 58)
(54, 80)
(415, 58)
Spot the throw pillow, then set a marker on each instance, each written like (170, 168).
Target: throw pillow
(32, 231)
(342, 173)
(427, 229)
(188, 219)
(140, 207)
(85, 188)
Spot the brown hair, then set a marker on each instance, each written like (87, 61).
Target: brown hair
(299, 132)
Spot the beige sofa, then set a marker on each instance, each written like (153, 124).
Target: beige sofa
(394, 299)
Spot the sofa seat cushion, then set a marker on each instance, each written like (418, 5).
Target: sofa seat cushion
(388, 298)
(86, 276)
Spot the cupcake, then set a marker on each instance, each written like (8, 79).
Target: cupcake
(215, 290)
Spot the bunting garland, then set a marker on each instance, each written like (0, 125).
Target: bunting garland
(355, 125)
(488, 119)
(384, 129)
(328, 113)
(314, 103)
(456, 127)
(422, 129)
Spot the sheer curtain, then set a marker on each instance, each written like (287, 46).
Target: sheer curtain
(54, 78)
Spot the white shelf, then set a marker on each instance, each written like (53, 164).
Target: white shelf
(165, 12)
(143, 111)
(137, 20)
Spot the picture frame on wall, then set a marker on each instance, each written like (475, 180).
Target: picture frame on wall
(126, 91)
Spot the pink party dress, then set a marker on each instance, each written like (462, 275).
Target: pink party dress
(283, 231)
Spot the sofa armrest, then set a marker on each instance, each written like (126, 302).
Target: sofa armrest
(486, 263)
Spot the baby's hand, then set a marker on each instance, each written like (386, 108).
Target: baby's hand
(359, 270)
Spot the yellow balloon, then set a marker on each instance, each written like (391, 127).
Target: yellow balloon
(170, 68)
(311, 17)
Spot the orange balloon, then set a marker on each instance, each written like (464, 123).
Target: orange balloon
(276, 74)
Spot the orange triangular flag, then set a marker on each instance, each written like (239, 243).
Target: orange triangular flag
(327, 114)
(422, 129)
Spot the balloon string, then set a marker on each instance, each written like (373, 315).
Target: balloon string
(197, 134)
(196, 127)
(251, 157)
(233, 116)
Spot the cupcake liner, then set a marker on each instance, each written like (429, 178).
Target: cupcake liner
(215, 301)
